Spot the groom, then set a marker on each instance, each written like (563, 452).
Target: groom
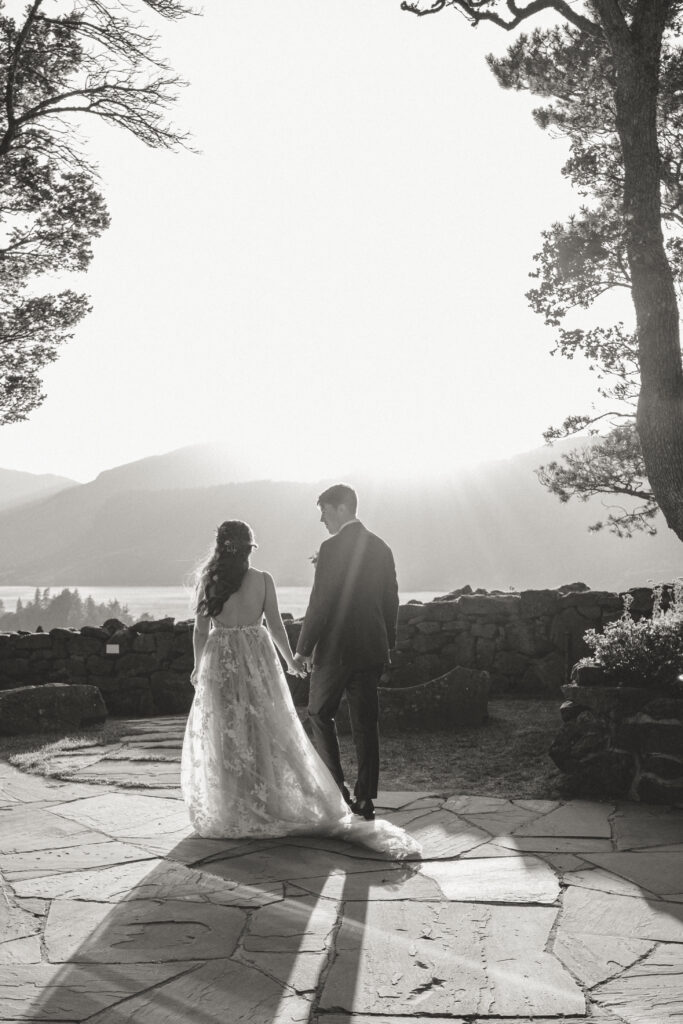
(348, 631)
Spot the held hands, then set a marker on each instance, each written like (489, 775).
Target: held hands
(301, 665)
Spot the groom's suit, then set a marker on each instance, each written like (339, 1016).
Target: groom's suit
(349, 629)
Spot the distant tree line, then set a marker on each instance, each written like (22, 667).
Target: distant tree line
(66, 609)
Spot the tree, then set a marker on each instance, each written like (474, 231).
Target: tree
(612, 72)
(62, 64)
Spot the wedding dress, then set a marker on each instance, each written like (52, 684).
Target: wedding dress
(248, 768)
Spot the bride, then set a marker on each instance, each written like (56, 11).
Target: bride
(248, 769)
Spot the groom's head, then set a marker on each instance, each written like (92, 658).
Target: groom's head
(338, 505)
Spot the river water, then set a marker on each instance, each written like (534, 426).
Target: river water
(173, 601)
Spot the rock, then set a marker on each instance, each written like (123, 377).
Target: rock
(589, 673)
(172, 693)
(569, 710)
(98, 632)
(467, 589)
(495, 608)
(113, 625)
(54, 707)
(458, 698)
(153, 626)
(618, 700)
(568, 588)
(535, 603)
(546, 673)
(665, 766)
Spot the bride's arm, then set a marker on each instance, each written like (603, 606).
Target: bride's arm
(199, 635)
(277, 627)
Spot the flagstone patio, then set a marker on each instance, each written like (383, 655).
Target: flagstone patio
(523, 911)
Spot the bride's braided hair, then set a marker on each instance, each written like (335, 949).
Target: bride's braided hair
(223, 573)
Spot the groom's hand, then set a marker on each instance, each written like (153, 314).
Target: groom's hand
(304, 661)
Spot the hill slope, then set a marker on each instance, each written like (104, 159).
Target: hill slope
(16, 487)
(148, 523)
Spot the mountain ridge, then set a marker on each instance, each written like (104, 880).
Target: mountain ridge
(492, 526)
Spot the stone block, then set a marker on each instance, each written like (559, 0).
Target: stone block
(536, 603)
(546, 674)
(15, 667)
(54, 707)
(653, 790)
(666, 766)
(75, 665)
(98, 665)
(426, 644)
(642, 600)
(184, 663)
(77, 644)
(136, 664)
(456, 626)
(591, 603)
(569, 710)
(579, 740)
(589, 674)
(664, 707)
(657, 737)
(428, 627)
(618, 701)
(97, 632)
(442, 611)
(172, 693)
(154, 626)
(427, 666)
(33, 642)
(518, 637)
(460, 651)
(485, 630)
(510, 663)
(410, 613)
(458, 698)
(143, 643)
(490, 607)
(566, 633)
(485, 653)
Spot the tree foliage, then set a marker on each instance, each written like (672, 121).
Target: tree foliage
(65, 609)
(610, 79)
(63, 63)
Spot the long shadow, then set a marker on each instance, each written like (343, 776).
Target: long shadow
(228, 935)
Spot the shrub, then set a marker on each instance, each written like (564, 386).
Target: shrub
(643, 652)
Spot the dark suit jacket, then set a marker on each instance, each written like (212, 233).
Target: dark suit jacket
(352, 612)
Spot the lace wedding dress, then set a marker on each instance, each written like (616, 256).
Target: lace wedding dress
(248, 769)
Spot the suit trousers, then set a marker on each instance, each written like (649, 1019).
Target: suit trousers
(328, 684)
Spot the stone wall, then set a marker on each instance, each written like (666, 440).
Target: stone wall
(621, 741)
(527, 642)
(143, 670)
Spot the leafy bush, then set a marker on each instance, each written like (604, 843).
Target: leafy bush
(643, 652)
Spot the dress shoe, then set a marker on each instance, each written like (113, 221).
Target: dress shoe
(364, 808)
(347, 797)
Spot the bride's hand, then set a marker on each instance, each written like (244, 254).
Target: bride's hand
(295, 669)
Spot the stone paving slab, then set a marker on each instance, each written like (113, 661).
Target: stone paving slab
(460, 959)
(524, 911)
(658, 873)
(649, 992)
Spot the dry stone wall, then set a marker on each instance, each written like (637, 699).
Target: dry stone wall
(527, 642)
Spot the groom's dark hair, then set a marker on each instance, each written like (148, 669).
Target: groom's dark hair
(340, 494)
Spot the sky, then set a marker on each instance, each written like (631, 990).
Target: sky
(335, 282)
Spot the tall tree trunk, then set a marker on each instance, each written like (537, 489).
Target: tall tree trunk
(636, 51)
